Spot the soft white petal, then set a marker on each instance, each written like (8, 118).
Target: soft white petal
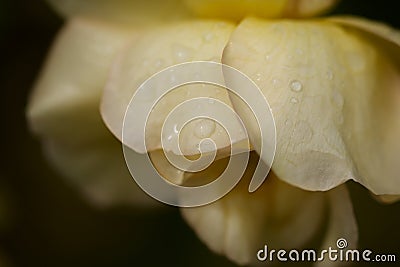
(98, 170)
(238, 9)
(241, 223)
(341, 225)
(387, 199)
(155, 50)
(64, 112)
(335, 98)
(64, 104)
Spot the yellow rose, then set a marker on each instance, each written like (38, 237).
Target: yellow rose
(332, 84)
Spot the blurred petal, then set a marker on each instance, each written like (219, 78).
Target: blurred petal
(136, 12)
(64, 104)
(155, 50)
(165, 168)
(335, 98)
(241, 222)
(98, 170)
(387, 199)
(342, 224)
(308, 8)
(239, 9)
(377, 30)
(64, 112)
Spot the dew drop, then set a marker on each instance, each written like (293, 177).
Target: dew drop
(159, 63)
(276, 83)
(296, 86)
(267, 57)
(294, 100)
(181, 53)
(337, 99)
(176, 131)
(204, 128)
(258, 77)
(340, 119)
(169, 138)
(208, 36)
(356, 61)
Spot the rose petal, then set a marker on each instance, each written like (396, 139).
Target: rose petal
(64, 103)
(377, 29)
(64, 112)
(153, 51)
(387, 199)
(165, 168)
(241, 223)
(342, 224)
(335, 99)
(135, 12)
(239, 9)
(98, 170)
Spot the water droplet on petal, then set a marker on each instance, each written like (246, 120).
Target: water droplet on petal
(294, 100)
(204, 128)
(288, 122)
(159, 63)
(176, 131)
(181, 53)
(337, 99)
(296, 86)
(276, 83)
(169, 138)
(208, 36)
(356, 61)
(340, 119)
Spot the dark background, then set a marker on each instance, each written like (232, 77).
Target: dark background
(48, 223)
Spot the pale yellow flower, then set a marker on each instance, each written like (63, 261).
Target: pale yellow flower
(332, 83)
